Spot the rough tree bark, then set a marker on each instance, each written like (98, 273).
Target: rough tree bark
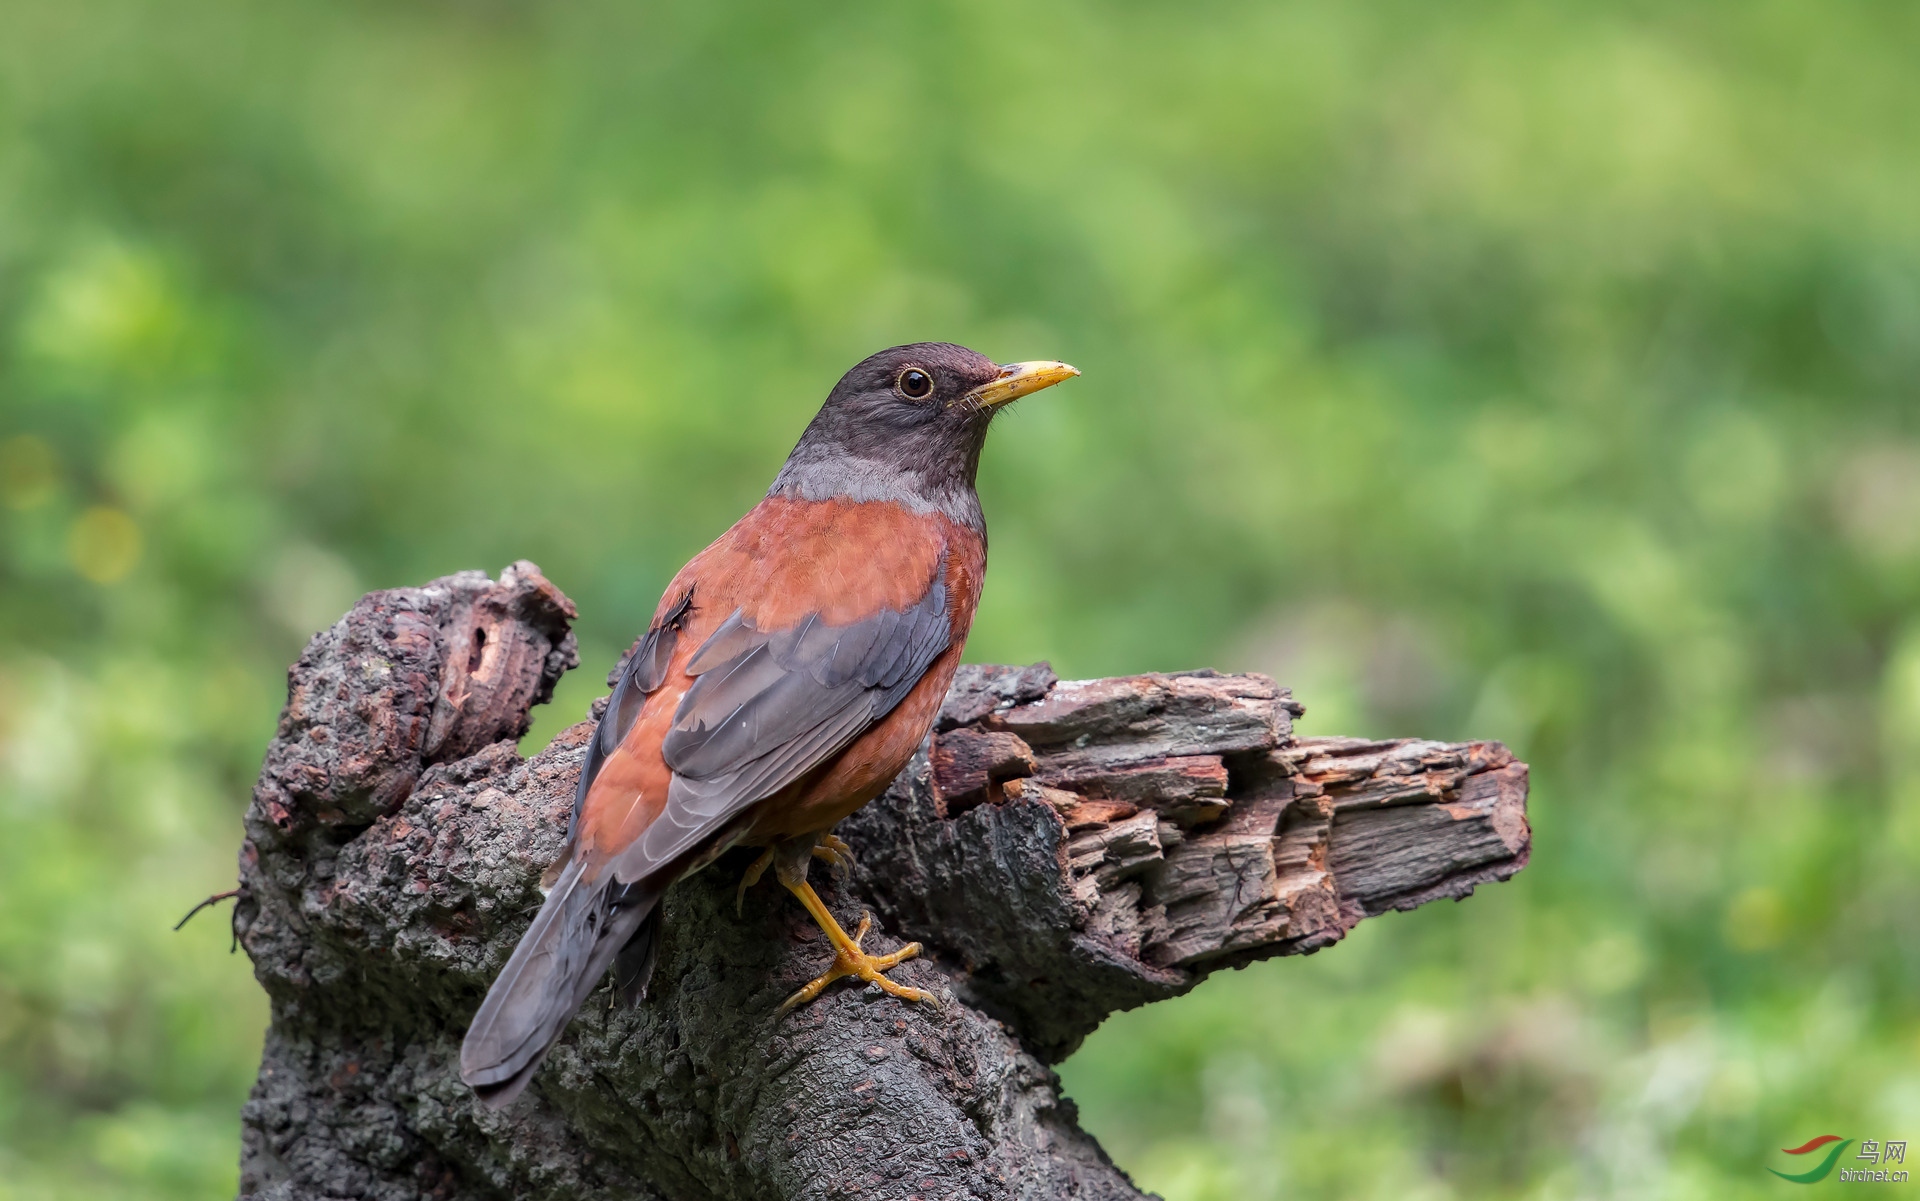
(1063, 849)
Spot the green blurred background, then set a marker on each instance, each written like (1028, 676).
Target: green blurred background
(1541, 372)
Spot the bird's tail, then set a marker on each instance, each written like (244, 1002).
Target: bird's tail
(573, 940)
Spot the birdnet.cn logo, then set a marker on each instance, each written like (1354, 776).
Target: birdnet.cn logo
(1876, 1152)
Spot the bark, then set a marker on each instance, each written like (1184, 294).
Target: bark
(1062, 849)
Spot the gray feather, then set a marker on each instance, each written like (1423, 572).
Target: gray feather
(569, 946)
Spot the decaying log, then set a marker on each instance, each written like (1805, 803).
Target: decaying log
(1063, 849)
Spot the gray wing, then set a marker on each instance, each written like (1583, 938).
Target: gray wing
(646, 670)
(583, 926)
(765, 708)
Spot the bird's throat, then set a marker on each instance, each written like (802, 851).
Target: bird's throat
(944, 489)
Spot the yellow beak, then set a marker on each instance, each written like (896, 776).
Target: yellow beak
(1020, 379)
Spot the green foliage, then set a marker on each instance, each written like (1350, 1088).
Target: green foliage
(1535, 372)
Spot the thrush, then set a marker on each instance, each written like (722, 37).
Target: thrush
(789, 673)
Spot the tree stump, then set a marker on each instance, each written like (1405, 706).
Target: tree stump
(1064, 849)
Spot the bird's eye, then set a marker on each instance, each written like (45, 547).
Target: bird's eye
(914, 383)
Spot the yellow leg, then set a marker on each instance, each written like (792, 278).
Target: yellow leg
(848, 958)
(830, 850)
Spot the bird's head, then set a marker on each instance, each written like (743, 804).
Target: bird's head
(907, 425)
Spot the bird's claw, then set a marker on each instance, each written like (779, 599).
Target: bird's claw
(852, 961)
(834, 851)
(751, 877)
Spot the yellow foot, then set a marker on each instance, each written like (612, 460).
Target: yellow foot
(751, 877)
(835, 853)
(850, 960)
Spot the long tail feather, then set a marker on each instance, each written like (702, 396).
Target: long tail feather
(572, 942)
(633, 967)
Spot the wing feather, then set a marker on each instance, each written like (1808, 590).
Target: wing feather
(646, 670)
(767, 707)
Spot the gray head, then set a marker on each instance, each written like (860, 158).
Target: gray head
(907, 425)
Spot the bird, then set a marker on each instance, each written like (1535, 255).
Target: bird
(790, 671)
